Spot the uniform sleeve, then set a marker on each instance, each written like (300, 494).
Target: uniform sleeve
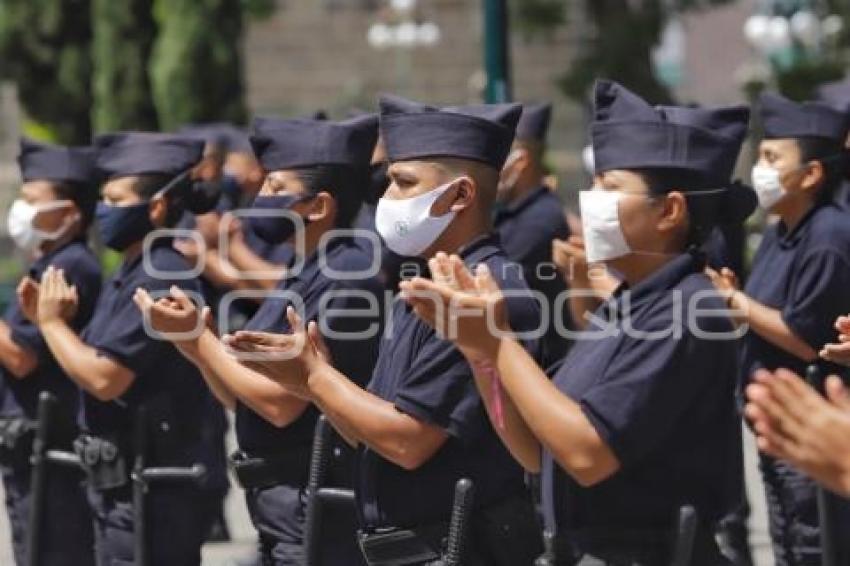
(439, 389)
(84, 273)
(820, 294)
(648, 386)
(24, 333)
(352, 331)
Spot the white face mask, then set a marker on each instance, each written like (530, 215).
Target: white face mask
(600, 219)
(20, 224)
(767, 182)
(588, 159)
(406, 225)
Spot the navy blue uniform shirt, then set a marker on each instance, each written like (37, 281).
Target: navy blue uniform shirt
(21, 395)
(804, 273)
(427, 378)
(343, 312)
(842, 197)
(168, 384)
(664, 405)
(526, 228)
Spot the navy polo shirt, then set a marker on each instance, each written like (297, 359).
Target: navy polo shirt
(842, 197)
(343, 312)
(163, 377)
(526, 228)
(805, 273)
(427, 378)
(21, 395)
(663, 403)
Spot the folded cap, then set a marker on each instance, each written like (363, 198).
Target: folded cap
(224, 136)
(481, 132)
(783, 118)
(304, 142)
(64, 164)
(140, 153)
(534, 122)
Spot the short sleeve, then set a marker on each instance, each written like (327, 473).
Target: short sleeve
(24, 333)
(439, 389)
(820, 294)
(646, 389)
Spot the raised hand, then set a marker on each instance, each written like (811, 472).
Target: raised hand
(175, 317)
(27, 293)
(57, 301)
(570, 258)
(794, 423)
(467, 309)
(839, 353)
(287, 359)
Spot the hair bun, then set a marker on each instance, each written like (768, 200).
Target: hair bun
(203, 196)
(737, 203)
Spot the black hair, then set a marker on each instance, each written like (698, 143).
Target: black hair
(183, 194)
(832, 156)
(709, 205)
(343, 182)
(83, 195)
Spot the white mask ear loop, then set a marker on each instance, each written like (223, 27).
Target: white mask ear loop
(66, 223)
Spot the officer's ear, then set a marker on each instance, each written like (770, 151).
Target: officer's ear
(674, 212)
(814, 174)
(158, 210)
(465, 192)
(321, 207)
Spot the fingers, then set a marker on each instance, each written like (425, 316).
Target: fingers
(843, 324)
(256, 337)
(462, 275)
(576, 241)
(182, 298)
(712, 274)
(441, 270)
(295, 321)
(318, 341)
(142, 299)
(485, 283)
(837, 393)
(838, 353)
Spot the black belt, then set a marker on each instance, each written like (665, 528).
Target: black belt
(258, 472)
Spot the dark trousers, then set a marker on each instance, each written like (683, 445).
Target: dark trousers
(793, 514)
(175, 526)
(67, 538)
(278, 513)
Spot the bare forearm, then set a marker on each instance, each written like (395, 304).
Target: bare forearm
(265, 397)
(362, 416)
(90, 371)
(768, 323)
(553, 418)
(20, 362)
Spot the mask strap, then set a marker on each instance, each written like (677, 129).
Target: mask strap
(171, 184)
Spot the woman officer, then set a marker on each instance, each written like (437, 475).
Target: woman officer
(640, 418)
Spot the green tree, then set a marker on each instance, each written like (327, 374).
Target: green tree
(124, 32)
(196, 64)
(44, 50)
(622, 37)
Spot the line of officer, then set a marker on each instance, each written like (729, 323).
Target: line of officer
(641, 419)
(529, 216)
(798, 286)
(316, 172)
(120, 366)
(50, 221)
(421, 425)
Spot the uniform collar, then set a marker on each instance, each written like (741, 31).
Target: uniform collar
(516, 206)
(480, 249)
(311, 263)
(128, 267)
(788, 240)
(40, 264)
(666, 278)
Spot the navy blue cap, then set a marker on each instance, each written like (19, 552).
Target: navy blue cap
(783, 118)
(64, 164)
(141, 153)
(628, 133)
(534, 122)
(481, 133)
(836, 94)
(303, 142)
(729, 122)
(224, 136)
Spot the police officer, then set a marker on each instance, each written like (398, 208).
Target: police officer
(421, 425)
(120, 365)
(316, 172)
(49, 221)
(798, 286)
(640, 418)
(529, 216)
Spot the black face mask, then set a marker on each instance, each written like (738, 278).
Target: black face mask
(274, 229)
(379, 181)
